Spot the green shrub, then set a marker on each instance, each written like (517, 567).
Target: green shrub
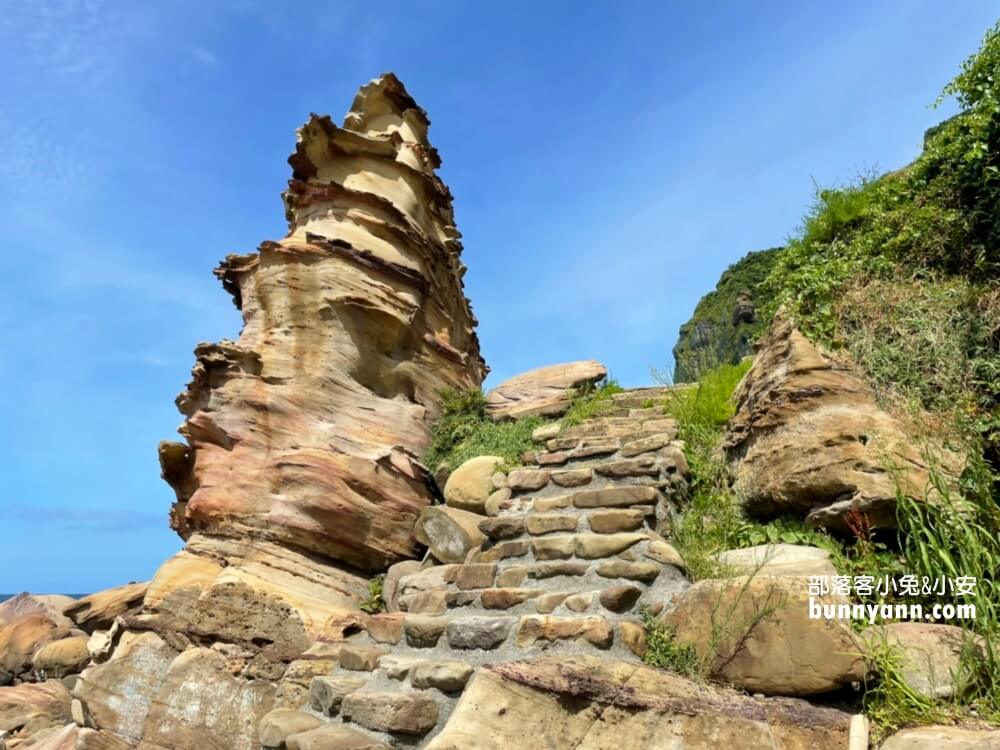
(663, 650)
(464, 430)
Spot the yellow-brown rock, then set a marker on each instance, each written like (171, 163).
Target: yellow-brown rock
(150, 696)
(809, 438)
(97, 611)
(305, 431)
(30, 707)
(757, 633)
(589, 703)
(544, 391)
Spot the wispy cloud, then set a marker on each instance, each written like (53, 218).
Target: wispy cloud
(204, 56)
(91, 519)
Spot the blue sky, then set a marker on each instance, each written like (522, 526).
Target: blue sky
(609, 160)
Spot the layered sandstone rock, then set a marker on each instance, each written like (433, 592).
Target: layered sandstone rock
(544, 391)
(151, 696)
(743, 628)
(27, 622)
(305, 431)
(97, 611)
(29, 708)
(299, 474)
(808, 438)
(588, 703)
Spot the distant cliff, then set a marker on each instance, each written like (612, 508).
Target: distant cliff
(725, 321)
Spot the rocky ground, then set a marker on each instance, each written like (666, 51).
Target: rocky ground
(521, 601)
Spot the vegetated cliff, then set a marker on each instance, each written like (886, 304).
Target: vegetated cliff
(726, 321)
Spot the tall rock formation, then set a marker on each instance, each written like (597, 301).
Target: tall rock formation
(305, 431)
(299, 475)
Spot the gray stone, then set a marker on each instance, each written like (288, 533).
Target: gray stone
(478, 632)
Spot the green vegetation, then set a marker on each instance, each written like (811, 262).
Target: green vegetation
(713, 518)
(890, 703)
(663, 649)
(900, 270)
(464, 430)
(374, 603)
(712, 336)
(591, 403)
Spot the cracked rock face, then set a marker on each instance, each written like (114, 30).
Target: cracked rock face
(305, 431)
(809, 438)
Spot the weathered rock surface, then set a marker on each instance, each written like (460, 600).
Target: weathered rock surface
(57, 659)
(943, 738)
(30, 707)
(153, 697)
(588, 703)
(808, 438)
(930, 655)
(72, 737)
(545, 391)
(98, 611)
(778, 560)
(305, 430)
(51, 605)
(757, 634)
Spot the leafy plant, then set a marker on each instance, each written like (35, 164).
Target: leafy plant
(374, 603)
(464, 430)
(663, 650)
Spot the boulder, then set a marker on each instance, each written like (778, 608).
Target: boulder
(471, 484)
(778, 560)
(930, 655)
(242, 590)
(56, 659)
(943, 738)
(98, 611)
(149, 694)
(450, 533)
(808, 438)
(545, 391)
(589, 703)
(30, 707)
(305, 431)
(743, 629)
(51, 605)
(19, 639)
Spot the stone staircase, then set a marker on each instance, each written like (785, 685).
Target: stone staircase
(570, 558)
